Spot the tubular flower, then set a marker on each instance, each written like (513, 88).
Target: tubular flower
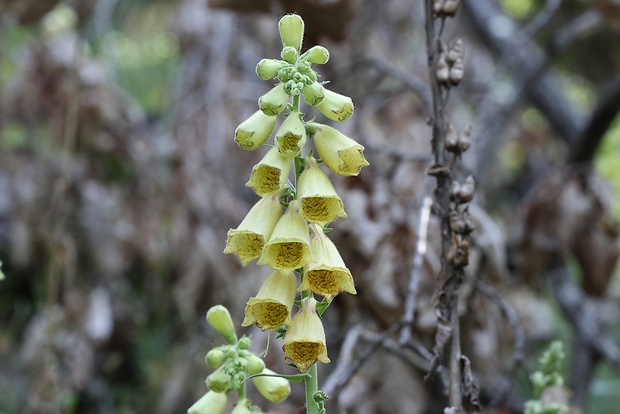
(327, 275)
(335, 106)
(275, 389)
(291, 29)
(289, 245)
(340, 153)
(273, 102)
(304, 342)
(319, 201)
(210, 403)
(313, 94)
(254, 131)
(247, 240)
(270, 174)
(271, 308)
(291, 136)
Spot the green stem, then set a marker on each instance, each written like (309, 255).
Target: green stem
(296, 101)
(312, 386)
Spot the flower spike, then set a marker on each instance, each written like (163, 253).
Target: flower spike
(304, 342)
(271, 308)
(247, 240)
(340, 153)
(270, 174)
(319, 201)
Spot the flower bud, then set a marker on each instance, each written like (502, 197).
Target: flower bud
(242, 407)
(269, 68)
(219, 318)
(456, 72)
(304, 342)
(210, 403)
(465, 139)
(219, 380)
(289, 244)
(456, 52)
(319, 201)
(340, 153)
(215, 357)
(270, 174)
(291, 137)
(317, 55)
(275, 389)
(255, 364)
(249, 238)
(254, 131)
(451, 140)
(442, 70)
(313, 94)
(289, 54)
(271, 308)
(244, 343)
(335, 106)
(327, 275)
(466, 191)
(291, 29)
(274, 102)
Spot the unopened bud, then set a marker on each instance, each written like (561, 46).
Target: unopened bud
(442, 70)
(219, 380)
(215, 357)
(255, 364)
(244, 343)
(275, 389)
(317, 55)
(456, 51)
(219, 318)
(451, 140)
(456, 72)
(466, 138)
(291, 29)
(289, 54)
(268, 68)
(466, 191)
(313, 94)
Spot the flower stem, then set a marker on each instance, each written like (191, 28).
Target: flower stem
(312, 386)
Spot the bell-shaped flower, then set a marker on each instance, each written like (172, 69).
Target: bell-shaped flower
(291, 29)
(327, 275)
(274, 102)
(270, 174)
(289, 244)
(275, 389)
(291, 136)
(340, 153)
(268, 68)
(254, 131)
(272, 305)
(313, 94)
(304, 342)
(247, 240)
(210, 403)
(335, 106)
(319, 201)
(219, 318)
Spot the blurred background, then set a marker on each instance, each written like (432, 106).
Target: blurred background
(119, 179)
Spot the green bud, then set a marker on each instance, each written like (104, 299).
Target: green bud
(268, 68)
(289, 54)
(219, 380)
(293, 88)
(210, 403)
(317, 55)
(244, 343)
(313, 94)
(255, 363)
(275, 389)
(274, 102)
(219, 318)
(242, 407)
(291, 29)
(215, 357)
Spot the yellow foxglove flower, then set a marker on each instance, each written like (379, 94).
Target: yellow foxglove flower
(313, 94)
(340, 153)
(275, 389)
(304, 342)
(247, 240)
(219, 380)
(274, 102)
(268, 68)
(289, 244)
(254, 131)
(291, 137)
(319, 201)
(242, 407)
(291, 29)
(210, 403)
(271, 308)
(335, 106)
(327, 275)
(219, 318)
(270, 174)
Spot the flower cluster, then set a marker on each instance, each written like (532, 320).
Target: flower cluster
(295, 240)
(233, 362)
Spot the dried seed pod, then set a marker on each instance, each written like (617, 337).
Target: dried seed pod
(456, 72)
(451, 141)
(450, 7)
(456, 51)
(454, 192)
(437, 6)
(442, 70)
(466, 190)
(457, 224)
(465, 139)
